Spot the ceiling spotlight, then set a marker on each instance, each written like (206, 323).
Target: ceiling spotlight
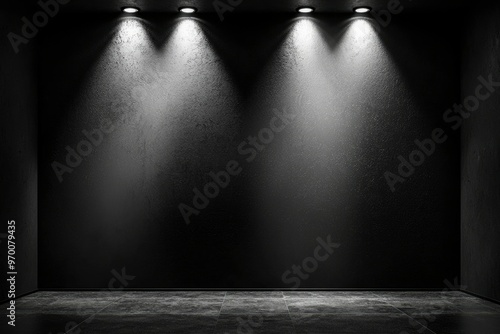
(362, 10)
(305, 10)
(188, 10)
(130, 10)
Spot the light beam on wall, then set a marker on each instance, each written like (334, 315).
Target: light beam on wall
(304, 169)
(306, 177)
(131, 36)
(168, 95)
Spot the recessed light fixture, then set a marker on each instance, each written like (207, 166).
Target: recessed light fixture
(362, 10)
(305, 10)
(188, 10)
(130, 10)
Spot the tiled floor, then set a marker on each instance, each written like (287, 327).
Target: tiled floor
(254, 312)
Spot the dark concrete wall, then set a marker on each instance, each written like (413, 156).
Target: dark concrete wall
(481, 158)
(181, 95)
(18, 161)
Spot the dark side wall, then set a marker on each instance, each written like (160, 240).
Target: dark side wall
(481, 157)
(18, 161)
(168, 100)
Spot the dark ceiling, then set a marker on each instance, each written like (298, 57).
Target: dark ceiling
(323, 6)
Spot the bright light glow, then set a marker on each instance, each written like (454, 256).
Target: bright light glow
(362, 10)
(130, 10)
(305, 10)
(187, 10)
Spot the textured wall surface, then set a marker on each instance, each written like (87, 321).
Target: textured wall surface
(179, 99)
(18, 162)
(481, 159)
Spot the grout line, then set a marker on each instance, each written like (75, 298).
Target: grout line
(482, 302)
(220, 310)
(409, 316)
(476, 295)
(492, 310)
(288, 311)
(402, 312)
(93, 315)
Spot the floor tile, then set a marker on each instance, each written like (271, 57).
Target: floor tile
(254, 323)
(81, 306)
(335, 305)
(493, 306)
(328, 294)
(474, 307)
(219, 295)
(270, 312)
(75, 294)
(242, 306)
(422, 295)
(165, 306)
(466, 324)
(347, 323)
(253, 294)
(24, 305)
(434, 309)
(148, 324)
(42, 323)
